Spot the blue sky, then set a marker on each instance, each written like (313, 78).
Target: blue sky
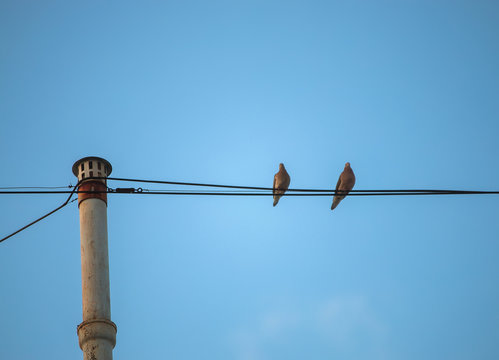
(222, 92)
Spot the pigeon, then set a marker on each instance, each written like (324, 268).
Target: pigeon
(281, 183)
(345, 184)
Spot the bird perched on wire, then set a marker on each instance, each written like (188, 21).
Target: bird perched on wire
(281, 183)
(344, 185)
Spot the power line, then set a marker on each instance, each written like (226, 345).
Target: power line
(190, 184)
(329, 191)
(252, 187)
(260, 193)
(248, 191)
(253, 193)
(256, 188)
(35, 187)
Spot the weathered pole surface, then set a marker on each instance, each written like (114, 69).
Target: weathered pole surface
(97, 333)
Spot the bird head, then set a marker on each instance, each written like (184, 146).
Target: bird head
(281, 166)
(347, 164)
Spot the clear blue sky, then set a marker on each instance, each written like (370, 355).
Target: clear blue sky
(222, 92)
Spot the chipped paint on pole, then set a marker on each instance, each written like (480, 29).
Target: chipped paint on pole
(97, 333)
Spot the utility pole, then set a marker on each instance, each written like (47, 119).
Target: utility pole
(97, 333)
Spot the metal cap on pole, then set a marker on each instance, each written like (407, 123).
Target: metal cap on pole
(97, 333)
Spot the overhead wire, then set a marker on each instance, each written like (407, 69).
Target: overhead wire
(328, 191)
(35, 187)
(44, 216)
(241, 191)
(256, 188)
(255, 193)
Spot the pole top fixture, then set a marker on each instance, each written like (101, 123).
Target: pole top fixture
(92, 166)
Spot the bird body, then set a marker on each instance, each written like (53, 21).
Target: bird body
(344, 185)
(281, 183)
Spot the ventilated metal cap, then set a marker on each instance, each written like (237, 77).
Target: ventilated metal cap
(92, 166)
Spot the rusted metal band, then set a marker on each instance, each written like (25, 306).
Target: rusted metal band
(91, 321)
(97, 329)
(92, 185)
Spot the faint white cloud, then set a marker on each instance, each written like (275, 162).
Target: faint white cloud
(341, 324)
(271, 326)
(278, 322)
(349, 321)
(247, 346)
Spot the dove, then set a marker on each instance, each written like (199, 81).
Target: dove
(345, 184)
(281, 183)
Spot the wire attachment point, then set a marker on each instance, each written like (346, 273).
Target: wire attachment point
(124, 190)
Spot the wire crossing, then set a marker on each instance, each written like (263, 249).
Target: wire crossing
(46, 215)
(254, 189)
(241, 191)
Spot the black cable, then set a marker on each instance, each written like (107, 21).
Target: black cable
(189, 184)
(194, 192)
(44, 216)
(270, 189)
(328, 191)
(215, 191)
(35, 187)
(291, 192)
(212, 185)
(332, 193)
(53, 192)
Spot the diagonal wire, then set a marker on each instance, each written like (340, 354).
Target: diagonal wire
(44, 216)
(249, 191)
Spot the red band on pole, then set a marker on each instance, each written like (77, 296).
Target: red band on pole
(92, 185)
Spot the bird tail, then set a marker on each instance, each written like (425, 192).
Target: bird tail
(276, 200)
(336, 201)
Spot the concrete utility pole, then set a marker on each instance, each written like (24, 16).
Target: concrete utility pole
(97, 333)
